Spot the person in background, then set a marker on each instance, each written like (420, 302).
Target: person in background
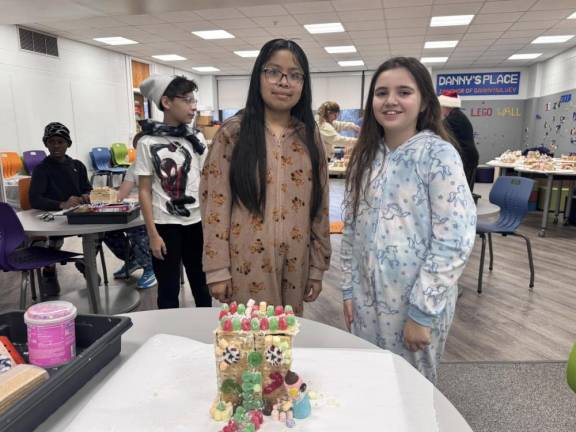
(330, 127)
(131, 245)
(170, 156)
(458, 125)
(265, 190)
(58, 183)
(409, 223)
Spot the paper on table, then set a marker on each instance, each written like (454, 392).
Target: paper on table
(170, 382)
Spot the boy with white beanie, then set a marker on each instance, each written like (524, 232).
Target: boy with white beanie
(170, 157)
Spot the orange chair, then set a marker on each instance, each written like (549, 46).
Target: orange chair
(23, 191)
(131, 155)
(11, 164)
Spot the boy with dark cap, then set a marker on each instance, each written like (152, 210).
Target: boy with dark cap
(169, 161)
(58, 182)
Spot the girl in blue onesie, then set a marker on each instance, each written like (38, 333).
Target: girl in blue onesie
(410, 220)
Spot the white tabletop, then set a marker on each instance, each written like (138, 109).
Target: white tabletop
(34, 226)
(198, 324)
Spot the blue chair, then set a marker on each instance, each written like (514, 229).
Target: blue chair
(26, 259)
(101, 161)
(511, 194)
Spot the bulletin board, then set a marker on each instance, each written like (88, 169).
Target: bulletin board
(551, 122)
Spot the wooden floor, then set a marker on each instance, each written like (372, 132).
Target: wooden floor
(506, 323)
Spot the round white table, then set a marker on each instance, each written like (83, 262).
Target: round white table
(199, 324)
(111, 299)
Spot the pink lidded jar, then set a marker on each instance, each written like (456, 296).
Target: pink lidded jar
(51, 333)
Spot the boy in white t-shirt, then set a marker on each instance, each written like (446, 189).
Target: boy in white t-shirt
(170, 157)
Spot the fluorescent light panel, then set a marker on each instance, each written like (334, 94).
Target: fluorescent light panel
(340, 49)
(324, 28)
(169, 57)
(246, 54)
(433, 59)
(214, 34)
(440, 44)
(524, 56)
(206, 69)
(552, 39)
(573, 16)
(116, 40)
(349, 63)
(451, 20)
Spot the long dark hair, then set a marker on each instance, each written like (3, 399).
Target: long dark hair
(372, 132)
(248, 163)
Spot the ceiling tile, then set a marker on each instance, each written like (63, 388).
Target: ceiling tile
(273, 21)
(232, 24)
(495, 27)
(361, 15)
(221, 13)
(179, 16)
(555, 4)
(547, 15)
(349, 5)
(507, 6)
(528, 34)
(365, 25)
(407, 12)
(404, 23)
(317, 18)
(406, 32)
(262, 10)
(135, 20)
(530, 25)
(479, 36)
(405, 3)
(308, 7)
(507, 17)
(456, 9)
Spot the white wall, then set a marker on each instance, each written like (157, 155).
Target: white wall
(345, 88)
(86, 88)
(556, 74)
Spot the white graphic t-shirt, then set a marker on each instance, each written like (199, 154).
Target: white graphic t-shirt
(175, 169)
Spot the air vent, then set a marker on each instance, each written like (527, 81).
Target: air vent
(38, 42)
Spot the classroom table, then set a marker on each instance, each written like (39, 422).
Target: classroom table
(199, 324)
(111, 299)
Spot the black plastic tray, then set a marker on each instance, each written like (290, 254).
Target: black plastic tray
(80, 218)
(98, 341)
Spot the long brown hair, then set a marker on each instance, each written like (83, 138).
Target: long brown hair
(326, 108)
(371, 133)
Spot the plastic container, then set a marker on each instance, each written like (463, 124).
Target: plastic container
(98, 341)
(114, 216)
(51, 333)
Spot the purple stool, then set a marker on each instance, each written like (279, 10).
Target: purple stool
(26, 259)
(32, 159)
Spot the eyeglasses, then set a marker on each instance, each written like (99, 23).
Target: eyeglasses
(188, 100)
(274, 76)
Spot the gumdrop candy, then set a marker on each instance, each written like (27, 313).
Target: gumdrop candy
(228, 325)
(223, 313)
(291, 320)
(255, 359)
(270, 310)
(245, 324)
(279, 310)
(288, 310)
(233, 307)
(273, 323)
(282, 324)
(236, 324)
(264, 324)
(241, 309)
(255, 324)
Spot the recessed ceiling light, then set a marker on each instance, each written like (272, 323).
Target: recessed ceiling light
(441, 44)
(451, 20)
(169, 57)
(340, 49)
(253, 53)
(348, 63)
(117, 40)
(552, 39)
(524, 56)
(214, 34)
(573, 16)
(206, 69)
(324, 28)
(433, 59)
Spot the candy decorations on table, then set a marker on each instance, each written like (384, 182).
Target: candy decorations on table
(253, 350)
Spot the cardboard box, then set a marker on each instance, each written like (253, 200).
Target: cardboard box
(209, 131)
(204, 120)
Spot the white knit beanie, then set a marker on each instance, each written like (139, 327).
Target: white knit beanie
(450, 99)
(154, 87)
